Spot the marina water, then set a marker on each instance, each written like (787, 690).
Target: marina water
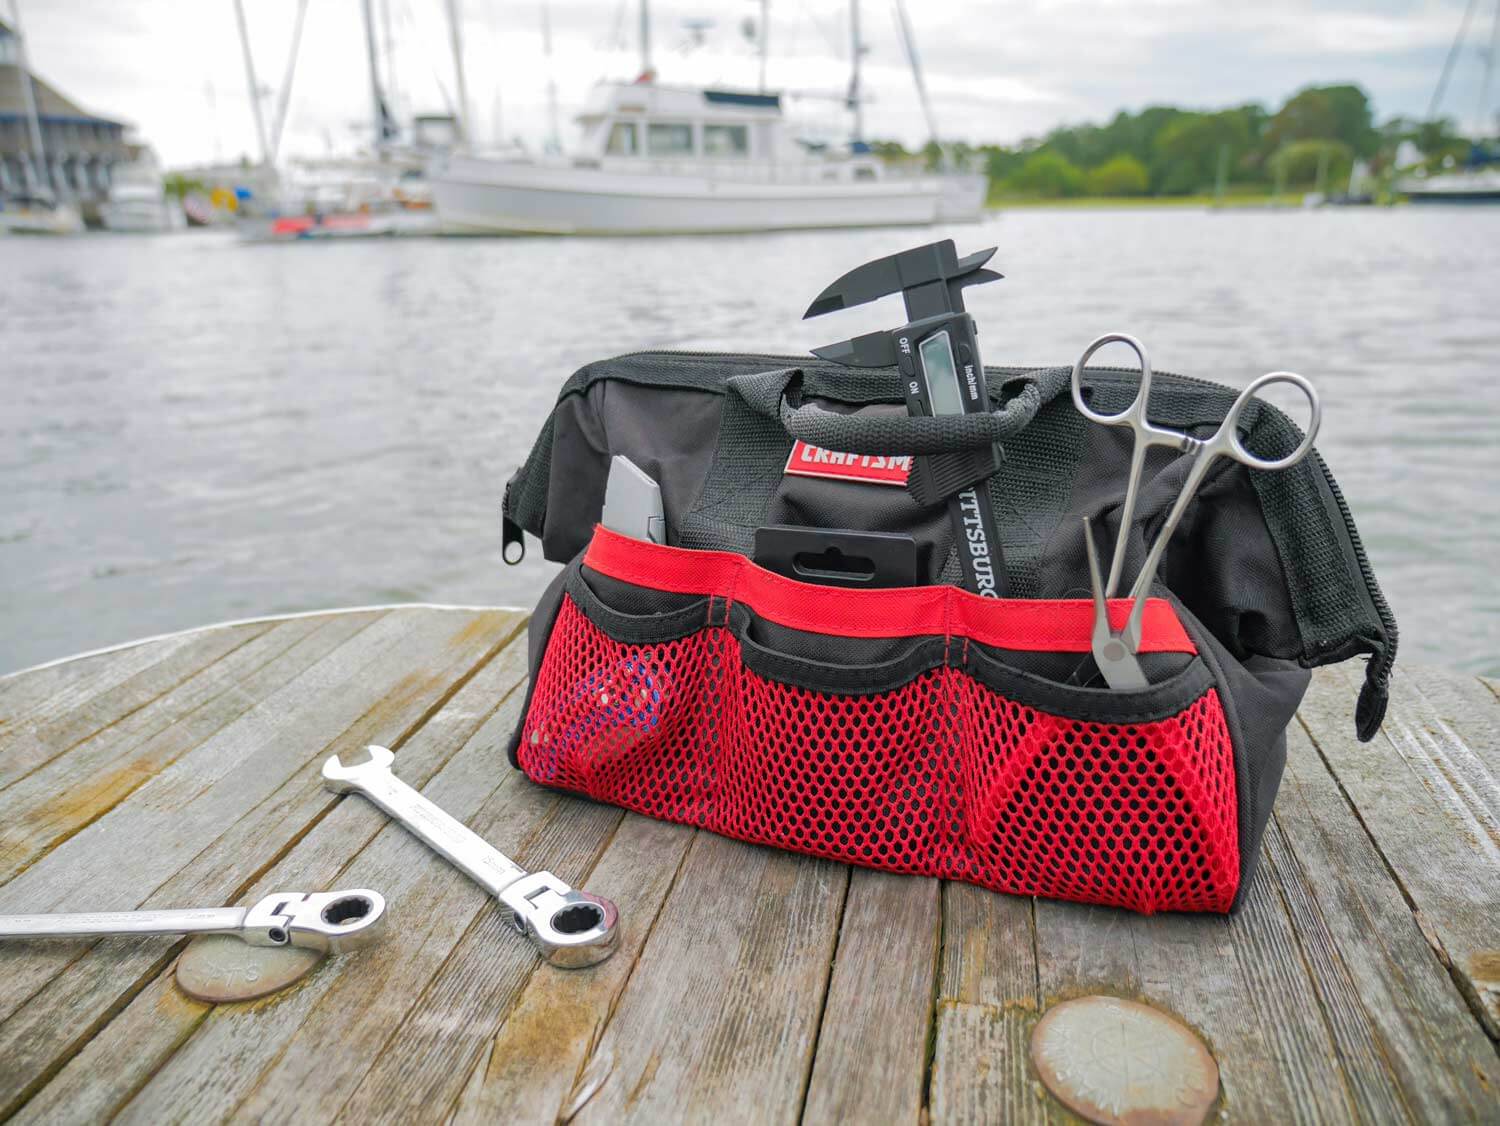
(196, 430)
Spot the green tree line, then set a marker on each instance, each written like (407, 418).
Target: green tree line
(1316, 135)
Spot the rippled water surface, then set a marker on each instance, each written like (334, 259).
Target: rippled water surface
(195, 430)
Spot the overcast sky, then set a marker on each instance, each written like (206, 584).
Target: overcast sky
(998, 70)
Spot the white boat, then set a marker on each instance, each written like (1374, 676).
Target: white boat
(666, 160)
(137, 202)
(1467, 185)
(39, 217)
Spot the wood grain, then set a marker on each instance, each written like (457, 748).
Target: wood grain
(82, 784)
(298, 1054)
(1431, 803)
(719, 1020)
(1405, 1039)
(878, 1013)
(530, 1067)
(119, 686)
(751, 985)
(157, 848)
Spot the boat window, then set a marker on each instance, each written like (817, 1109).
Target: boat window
(726, 140)
(622, 139)
(864, 172)
(669, 140)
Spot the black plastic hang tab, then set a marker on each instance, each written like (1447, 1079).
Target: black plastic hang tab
(837, 557)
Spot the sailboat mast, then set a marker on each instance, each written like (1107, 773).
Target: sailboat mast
(646, 68)
(456, 34)
(284, 99)
(554, 132)
(765, 40)
(390, 56)
(260, 121)
(33, 122)
(1486, 122)
(376, 98)
(856, 53)
(909, 41)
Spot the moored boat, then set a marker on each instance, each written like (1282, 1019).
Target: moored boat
(662, 160)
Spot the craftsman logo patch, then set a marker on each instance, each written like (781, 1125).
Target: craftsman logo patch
(872, 469)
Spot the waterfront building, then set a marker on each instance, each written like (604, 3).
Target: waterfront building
(81, 148)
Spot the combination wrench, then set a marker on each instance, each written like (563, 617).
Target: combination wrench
(331, 921)
(570, 928)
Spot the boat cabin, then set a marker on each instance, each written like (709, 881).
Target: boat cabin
(625, 124)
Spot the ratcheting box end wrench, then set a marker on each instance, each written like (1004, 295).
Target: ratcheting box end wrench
(571, 928)
(331, 921)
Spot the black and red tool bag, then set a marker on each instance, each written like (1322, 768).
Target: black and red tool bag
(925, 729)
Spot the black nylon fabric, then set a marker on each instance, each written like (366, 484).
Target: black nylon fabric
(1270, 563)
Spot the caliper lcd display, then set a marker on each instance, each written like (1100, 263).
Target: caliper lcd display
(943, 389)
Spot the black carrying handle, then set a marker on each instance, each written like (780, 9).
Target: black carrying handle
(905, 434)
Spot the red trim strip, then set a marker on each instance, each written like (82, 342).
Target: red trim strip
(1060, 625)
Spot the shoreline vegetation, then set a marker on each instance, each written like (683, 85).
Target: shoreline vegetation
(1322, 139)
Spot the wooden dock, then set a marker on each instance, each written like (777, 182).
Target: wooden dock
(1361, 981)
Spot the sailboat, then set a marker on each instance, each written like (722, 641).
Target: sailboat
(42, 213)
(1478, 180)
(370, 195)
(659, 159)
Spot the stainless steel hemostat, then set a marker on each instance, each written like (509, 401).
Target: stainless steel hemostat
(332, 921)
(571, 928)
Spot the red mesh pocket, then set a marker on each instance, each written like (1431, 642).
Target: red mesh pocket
(942, 776)
(1138, 815)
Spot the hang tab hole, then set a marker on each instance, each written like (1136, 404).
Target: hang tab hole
(342, 912)
(834, 564)
(577, 918)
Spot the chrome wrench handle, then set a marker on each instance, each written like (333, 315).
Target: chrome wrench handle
(101, 924)
(450, 838)
(570, 928)
(331, 921)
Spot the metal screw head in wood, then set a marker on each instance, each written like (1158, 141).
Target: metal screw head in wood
(217, 968)
(1116, 1061)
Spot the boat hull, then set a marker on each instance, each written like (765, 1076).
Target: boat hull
(130, 216)
(479, 197)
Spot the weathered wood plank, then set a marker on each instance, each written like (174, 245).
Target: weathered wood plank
(1241, 982)
(1407, 1044)
(426, 1063)
(431, 1027)
(238, 786)
(719, 1020)
(1467, 706)
(528, 1069)
(112, 1065)
(84, 783)
(298, 1055)
(989, 948)
(981, 1070)
(987, 1006)
(23, 692)
(132, 1057)
(91, 704)
(1433, 809)
(879, 1009)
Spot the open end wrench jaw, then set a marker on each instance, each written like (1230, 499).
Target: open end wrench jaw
(570, 928)
(344, 777)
